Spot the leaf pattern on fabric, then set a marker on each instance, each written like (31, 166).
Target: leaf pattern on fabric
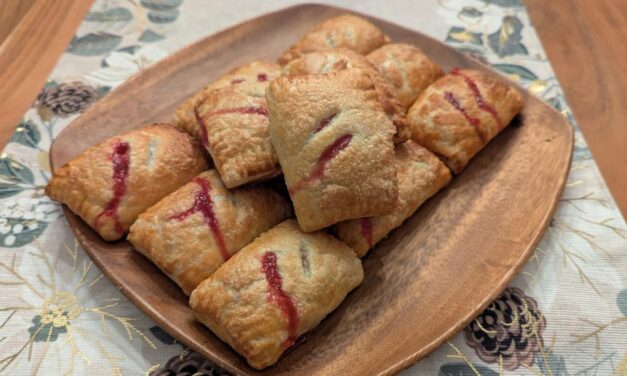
(117, 14)
(459, 34)
(507, 39)
(505, 3)
(27, 134)
(94, 44)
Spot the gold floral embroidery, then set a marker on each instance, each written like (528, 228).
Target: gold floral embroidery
(56, 325)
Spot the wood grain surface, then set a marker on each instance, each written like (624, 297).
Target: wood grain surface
(423, 284)
(586, 42)
(31, 50)
(11, 12)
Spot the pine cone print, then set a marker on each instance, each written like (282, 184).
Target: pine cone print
(189, 363)
(67, 98)
(511, 328)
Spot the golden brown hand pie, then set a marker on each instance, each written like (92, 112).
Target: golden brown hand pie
(335, 146)
(352, 32)
(420, 175)
(251, 79)
(110, 184)
(460, 113)
(234, 128)
(275, 289)
(195, 229)
(323, 62)
(407, 68)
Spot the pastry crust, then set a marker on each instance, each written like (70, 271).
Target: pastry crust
(420, 175)
(251, 79)
(235, 132)
(323, 62)
(110, 184)
(275, 289)
(348, 31)
(335, 146)
(407, 69)
(194, 230)
(460, 113)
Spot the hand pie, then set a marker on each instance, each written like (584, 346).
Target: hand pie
(251, 78)
(338, 59)
(110, 184)
(335, 146)
(275, 289)
(234, 127)
(352, 32)
(407, 69)
(460, 113)
(420, 175)
(195, 229)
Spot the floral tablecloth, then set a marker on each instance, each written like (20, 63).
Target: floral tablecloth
(564, 314)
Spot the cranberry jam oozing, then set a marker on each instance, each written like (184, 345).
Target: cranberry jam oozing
(203, 204)
(366, 230)
(479, 99)
(450, 98)
(120, 161)
(317, 172)
(323, 123)
(204, 137)
(277, 296)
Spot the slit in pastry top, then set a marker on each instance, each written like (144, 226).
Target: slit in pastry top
(120, 161)
(204, 204)
(475, 122)
(277, 296)
(317, 172)
(479, 99)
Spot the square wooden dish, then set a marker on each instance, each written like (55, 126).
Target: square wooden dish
(423, 284)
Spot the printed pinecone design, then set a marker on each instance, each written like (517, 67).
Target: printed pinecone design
(67, 98)
(511, 328)
(189, 363)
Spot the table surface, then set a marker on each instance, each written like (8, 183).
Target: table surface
(565, 313)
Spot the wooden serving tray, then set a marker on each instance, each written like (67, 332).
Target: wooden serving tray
(423, 284)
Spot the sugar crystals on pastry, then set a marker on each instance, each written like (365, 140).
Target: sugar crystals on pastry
(275, 289)
(110, 184)
(406, 68)
(194, 230)
(337, 59)
(251, 79)
(420, 175)
(460, 113)
(348, 31)
(234, 128)
(335, 146)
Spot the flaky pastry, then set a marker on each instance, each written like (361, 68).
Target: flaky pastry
(251, 79)
(275, 289)
(348, 31)
(460, 113)
(195, 229)
(110, 184)
(337, 59)
(335, 146)
(420, 175)
(406, 68)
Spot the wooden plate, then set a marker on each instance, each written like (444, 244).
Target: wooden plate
(423, 284)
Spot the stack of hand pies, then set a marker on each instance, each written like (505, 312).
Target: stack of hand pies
(363, 131)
